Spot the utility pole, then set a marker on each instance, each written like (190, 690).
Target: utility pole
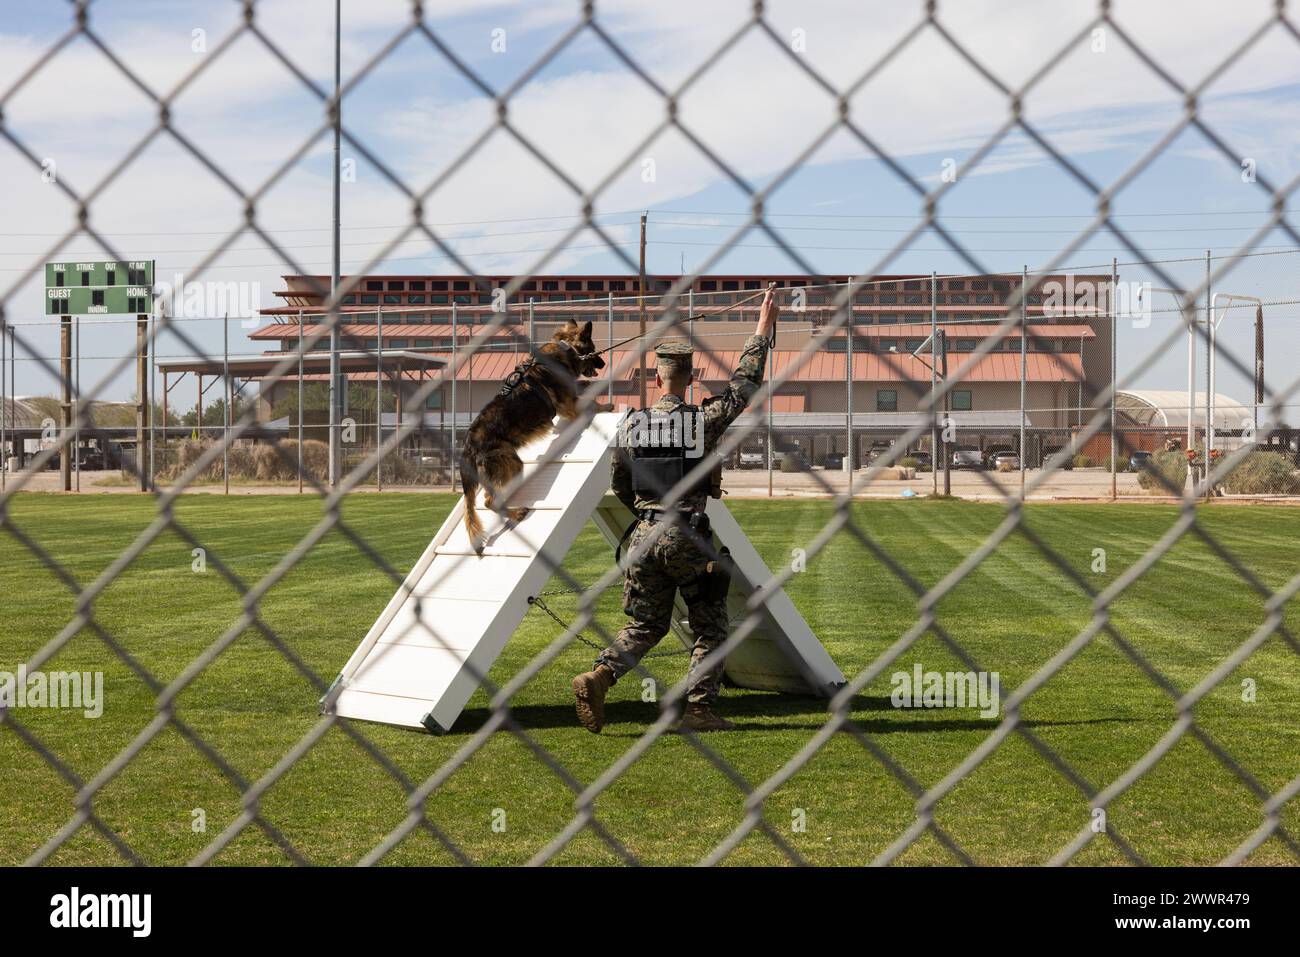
(641, 309)
(1259, 369)
(941, 341)
(335, 456)
(142, 397)
(65, 404)
(1024, 361)
(934, 413)
(1114, 350)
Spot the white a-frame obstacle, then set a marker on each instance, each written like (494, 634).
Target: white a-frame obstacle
(441, 633)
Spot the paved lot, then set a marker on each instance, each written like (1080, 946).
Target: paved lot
(747, 483)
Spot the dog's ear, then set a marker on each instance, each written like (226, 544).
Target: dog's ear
(569, 324)
(585, 332)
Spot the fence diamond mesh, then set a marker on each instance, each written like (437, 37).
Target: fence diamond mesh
(415, 785)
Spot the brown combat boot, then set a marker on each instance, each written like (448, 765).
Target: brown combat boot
(700, 718)
(589, 697)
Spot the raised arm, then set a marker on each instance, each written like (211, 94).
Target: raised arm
(721, 410)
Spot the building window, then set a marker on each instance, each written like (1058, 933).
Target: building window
(886, 400)
(550, 285)
(961, 401)
(706, 285)
(751, 283)
(439, 284)
(368, 300)
(461, 285)
(374, 285)
(862, 318)
(417, 299)
(617, 285)
(392, 300)
(573, 285)
(730, 284)
(837, 345)
(396, 285)
(416, 284)
(424, 343)
(965, 345)
(596, 285)
(888, 319)
(911, 345)
(433, 400)
(888, 345)
(350, 300)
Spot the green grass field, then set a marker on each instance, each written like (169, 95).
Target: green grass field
(1101, 713)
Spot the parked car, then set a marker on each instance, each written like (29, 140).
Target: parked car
(750, 459)
(1006, 460)
(834, 462)
(1066, 464)
(1139, 460)
(92, 459)
(922, 458)
(992, 452)
(967, 457)
(791, 459)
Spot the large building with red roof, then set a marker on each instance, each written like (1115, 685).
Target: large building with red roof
(1067, 362)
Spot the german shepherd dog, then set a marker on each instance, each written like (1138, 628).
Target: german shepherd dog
(541, 387)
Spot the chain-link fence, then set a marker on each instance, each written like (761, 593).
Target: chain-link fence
(1007, 463)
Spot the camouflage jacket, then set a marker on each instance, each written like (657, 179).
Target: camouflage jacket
(718, 412)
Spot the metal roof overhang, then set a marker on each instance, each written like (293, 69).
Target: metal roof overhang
(257, 367)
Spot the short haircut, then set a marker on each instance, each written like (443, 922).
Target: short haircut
(674, 368)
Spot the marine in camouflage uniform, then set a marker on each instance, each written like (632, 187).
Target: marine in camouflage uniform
(681, 554)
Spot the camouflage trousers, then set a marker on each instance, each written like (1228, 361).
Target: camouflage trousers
(675, 561)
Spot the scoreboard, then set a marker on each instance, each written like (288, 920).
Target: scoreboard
(98, 288)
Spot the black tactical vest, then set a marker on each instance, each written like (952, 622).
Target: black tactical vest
(663, 447)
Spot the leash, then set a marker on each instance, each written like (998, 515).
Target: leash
(695, 315)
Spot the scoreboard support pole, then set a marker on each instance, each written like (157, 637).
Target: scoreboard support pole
(142, 398)
(65, 403)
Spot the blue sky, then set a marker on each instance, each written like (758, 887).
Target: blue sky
(588, 113)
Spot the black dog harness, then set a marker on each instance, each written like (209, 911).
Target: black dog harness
(515, 379)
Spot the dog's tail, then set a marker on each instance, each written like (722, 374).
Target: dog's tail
(469, 485)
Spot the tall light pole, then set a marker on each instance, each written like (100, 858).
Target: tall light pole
(335, 416)
(1217, 316)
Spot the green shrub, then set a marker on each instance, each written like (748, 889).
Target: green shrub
(907, 462)
(1263, 473)
(1171, 467)
(1082, 461)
